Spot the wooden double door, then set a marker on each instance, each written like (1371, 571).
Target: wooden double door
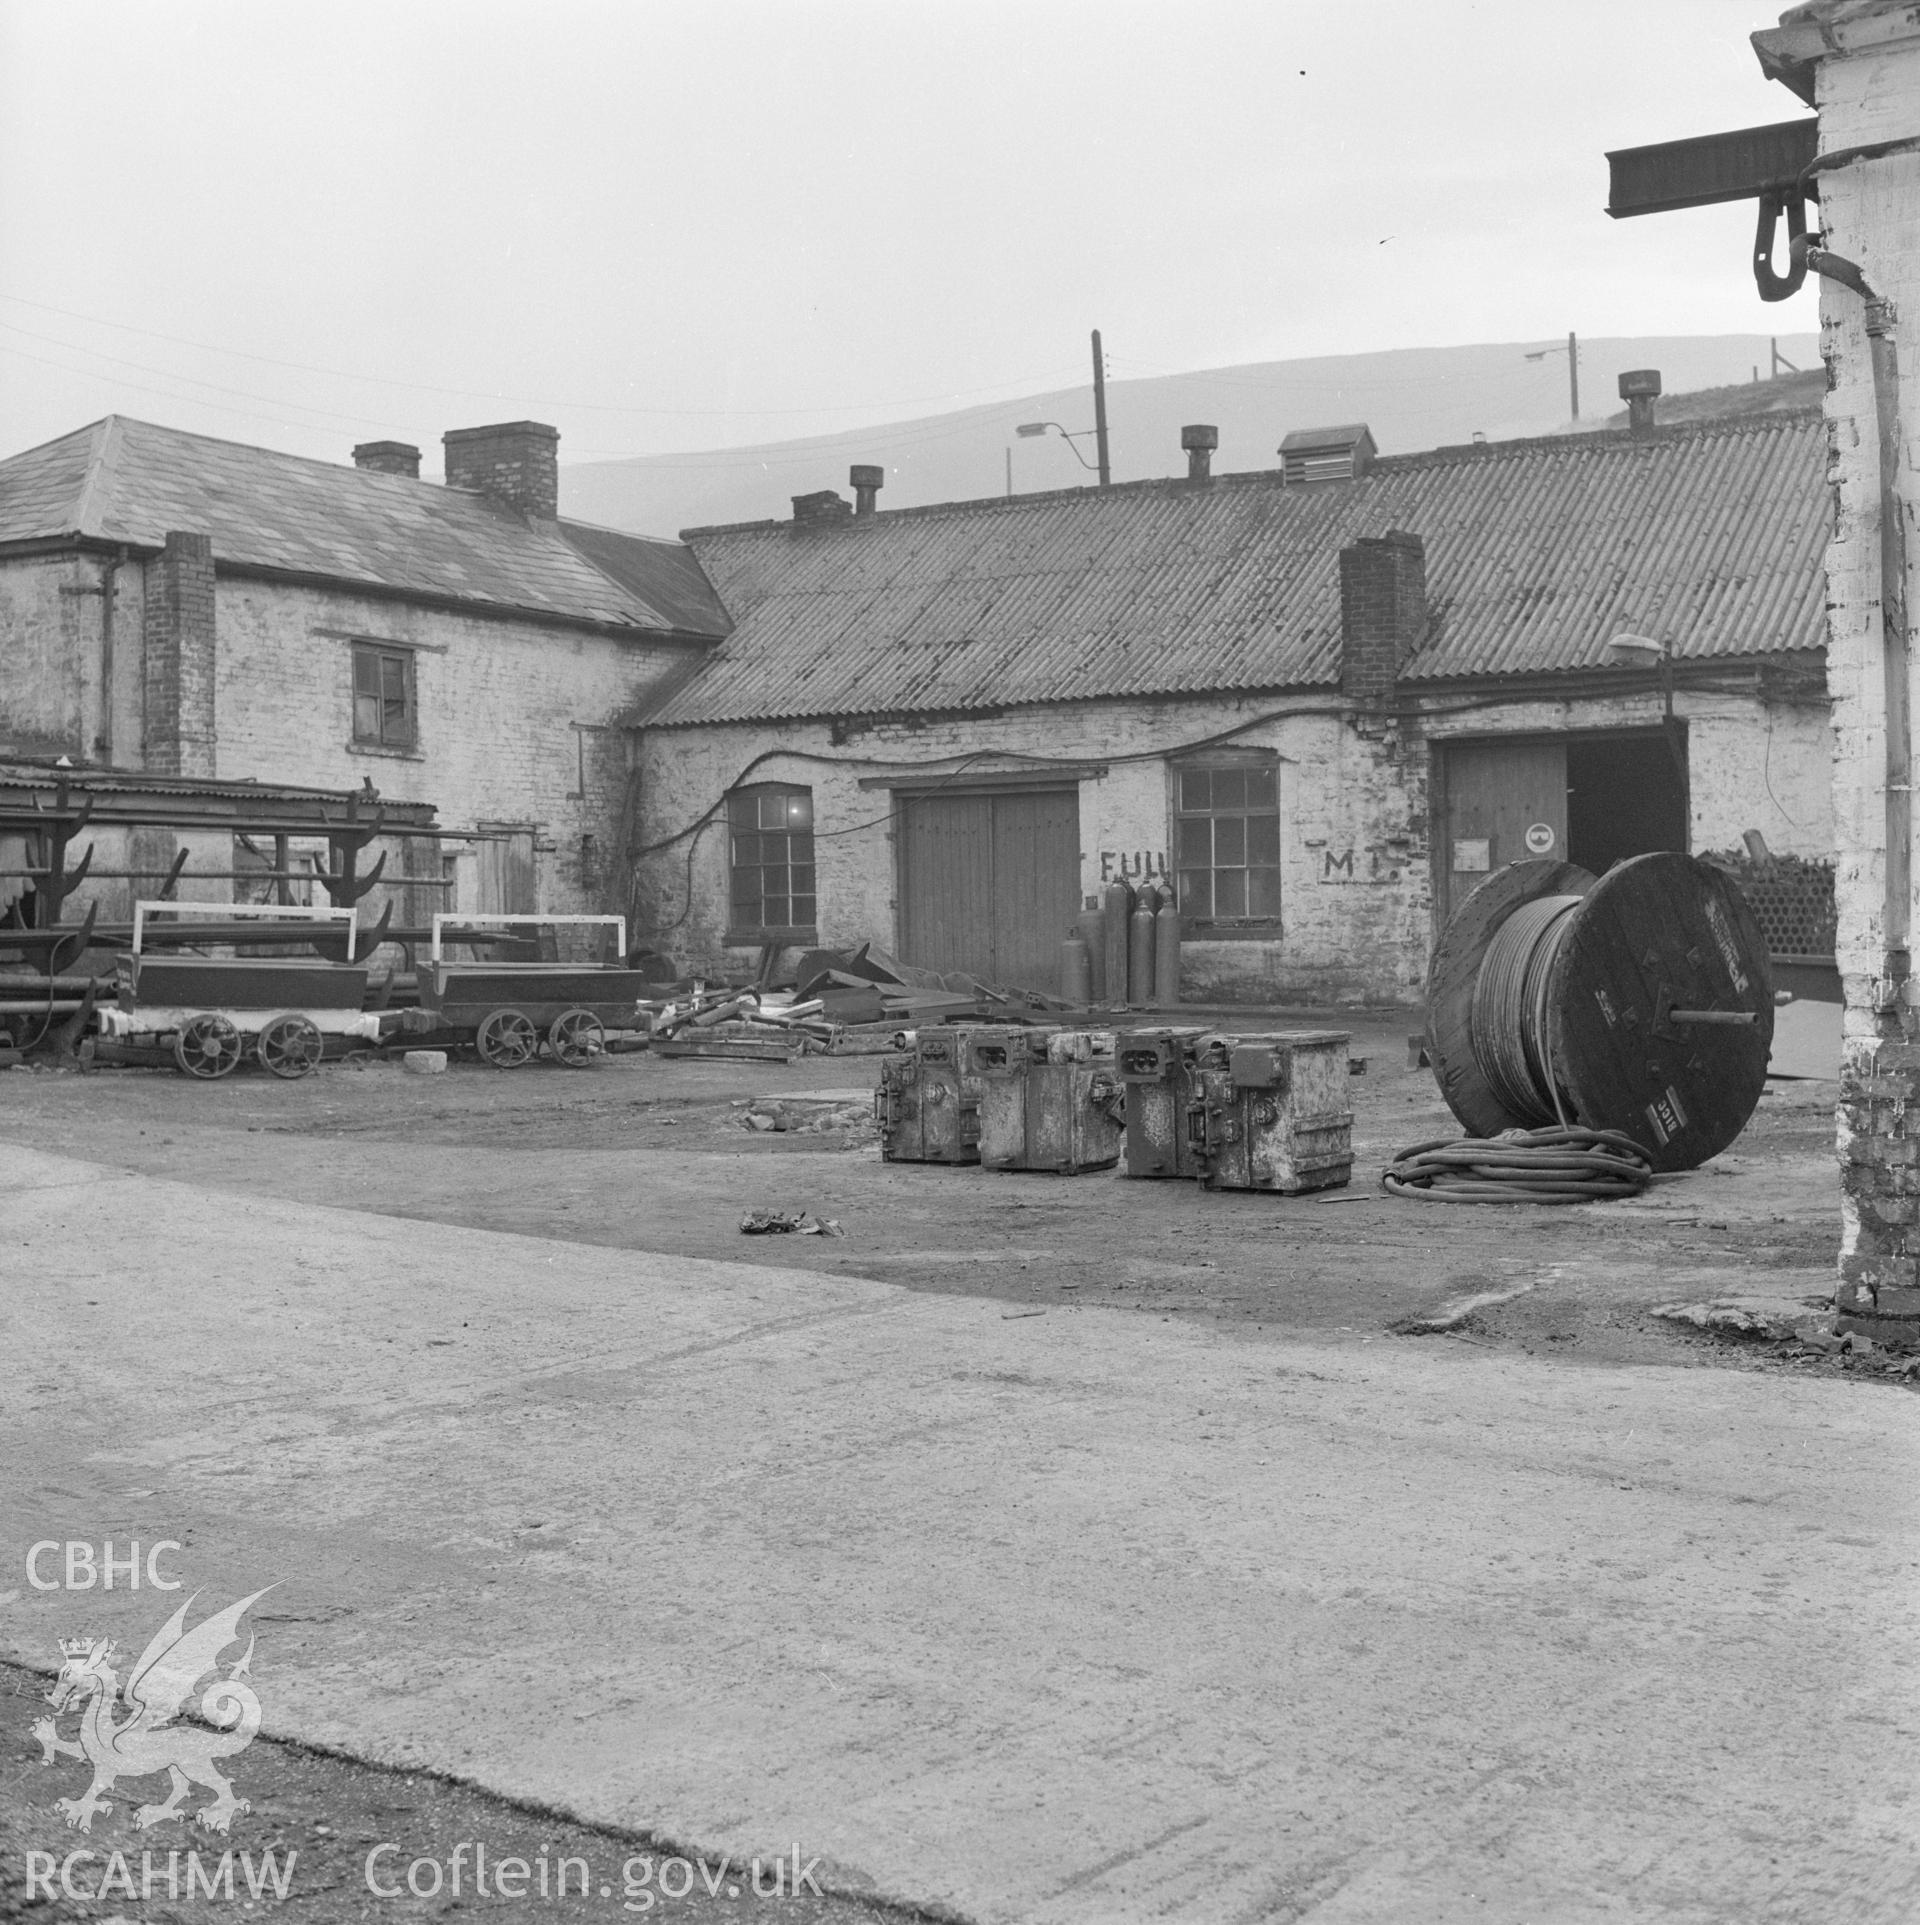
(989, 881)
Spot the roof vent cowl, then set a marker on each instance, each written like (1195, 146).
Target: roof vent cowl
(1639, 389)
(866, 480)
(1199, 439)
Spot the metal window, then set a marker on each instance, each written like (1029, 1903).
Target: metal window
(772, 859)
(383, 704)
(1227, 842)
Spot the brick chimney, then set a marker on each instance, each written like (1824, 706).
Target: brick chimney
(866, 482)
(823, 509)
(517, 462)
(1383, 613)
(1199, 440)
(1639, 388)
(178, 735)
(388, 458)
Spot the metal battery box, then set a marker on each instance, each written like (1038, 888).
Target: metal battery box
(928, 1102)
(1271, 1112)
(1049, 1099)
(1158, 1067)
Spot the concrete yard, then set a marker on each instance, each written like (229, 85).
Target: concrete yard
(1042, 1548)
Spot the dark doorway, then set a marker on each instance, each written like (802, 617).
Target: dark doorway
(1626, 796)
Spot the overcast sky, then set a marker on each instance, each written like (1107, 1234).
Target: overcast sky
(687, 225)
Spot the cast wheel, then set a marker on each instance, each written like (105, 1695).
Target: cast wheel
(207, 1046)
(506, 1038)
(577, 1038)
(291, 1046)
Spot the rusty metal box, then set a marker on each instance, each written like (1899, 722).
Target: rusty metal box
(1158, 1068)
(1271, 1112)
(1049, 1099)
(928, 1102)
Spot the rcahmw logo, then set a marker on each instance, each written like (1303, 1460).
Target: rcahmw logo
(194, 1879)
(146, 1740)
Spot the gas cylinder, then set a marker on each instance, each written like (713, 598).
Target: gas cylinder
(1076, 969)
(1166, 950)
(1116, 906)
(1093, 932)
(1140, 949)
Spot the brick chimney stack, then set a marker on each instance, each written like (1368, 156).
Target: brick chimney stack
(516, 462)
(388, 458)
(180, 657)
(824, 508)
(1383, 613)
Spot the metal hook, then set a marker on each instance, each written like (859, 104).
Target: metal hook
(1772, 286)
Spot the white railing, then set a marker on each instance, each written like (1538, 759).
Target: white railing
(240, 911)
(449, 919)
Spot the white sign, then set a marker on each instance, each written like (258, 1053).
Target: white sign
(1540, 838)
(1474, 852)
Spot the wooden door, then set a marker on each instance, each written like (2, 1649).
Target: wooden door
(1504, 802)
(506, 882)
(990, 883)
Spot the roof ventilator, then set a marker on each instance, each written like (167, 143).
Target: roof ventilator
(1326, 454)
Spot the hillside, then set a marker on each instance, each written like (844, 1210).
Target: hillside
(1781, 395)
(1411, 398)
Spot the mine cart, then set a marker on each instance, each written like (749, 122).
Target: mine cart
(211, 1011)
(522, 993)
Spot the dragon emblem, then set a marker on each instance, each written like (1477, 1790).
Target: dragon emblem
(147, 1740)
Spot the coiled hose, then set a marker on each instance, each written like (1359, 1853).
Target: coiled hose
(1564, 1164)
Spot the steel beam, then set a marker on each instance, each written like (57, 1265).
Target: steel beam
(1711, 168)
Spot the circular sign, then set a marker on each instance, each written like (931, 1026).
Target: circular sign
(1540, 839)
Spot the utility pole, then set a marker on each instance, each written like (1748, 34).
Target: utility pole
(1100, 411)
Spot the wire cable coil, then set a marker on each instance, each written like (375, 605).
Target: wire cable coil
(1563, 1164)
(1512, 1018)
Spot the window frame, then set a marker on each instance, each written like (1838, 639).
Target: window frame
(747, 924)
(1261, 926)
(384, 655)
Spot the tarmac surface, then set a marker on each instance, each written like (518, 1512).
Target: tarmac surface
(1185, 1596)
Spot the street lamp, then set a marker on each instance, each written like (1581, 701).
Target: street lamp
(1028, 429)
(1572, 352)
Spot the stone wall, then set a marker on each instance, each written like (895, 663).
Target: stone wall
(1356, 896)
(511, 716)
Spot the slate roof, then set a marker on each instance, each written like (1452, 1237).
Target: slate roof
(129, 481)
(1537, 552)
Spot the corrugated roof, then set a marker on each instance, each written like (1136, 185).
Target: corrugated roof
(1537, 552)
(129, 481)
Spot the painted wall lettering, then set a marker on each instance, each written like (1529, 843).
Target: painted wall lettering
(1132, 865)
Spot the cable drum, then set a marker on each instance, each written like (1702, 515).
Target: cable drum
(1638, 1004)
(1512, 1038)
